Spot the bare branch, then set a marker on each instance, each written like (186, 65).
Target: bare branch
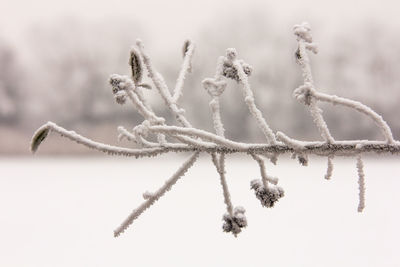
(157, 195)
(190, 139)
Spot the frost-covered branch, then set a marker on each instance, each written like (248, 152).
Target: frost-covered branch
(336, 100)
(185, 137)
(304, 39)
(361, 184)
(152, 198)
(188, 50)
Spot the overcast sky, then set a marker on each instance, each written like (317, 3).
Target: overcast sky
(181, 18)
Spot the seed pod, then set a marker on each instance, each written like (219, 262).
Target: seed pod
(136, 66)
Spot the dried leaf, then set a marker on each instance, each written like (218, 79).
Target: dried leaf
(38, 137)
(136, 66)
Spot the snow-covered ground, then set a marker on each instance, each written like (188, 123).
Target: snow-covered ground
(62, 212)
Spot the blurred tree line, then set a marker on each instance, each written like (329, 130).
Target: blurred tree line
(60, 74)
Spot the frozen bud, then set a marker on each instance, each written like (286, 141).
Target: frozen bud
(240, 220)
(297, 55)
(239, 210)
(136, 65)
(114, 80)
(303, 159)
(304, 93)
(229, 71)
(214, 87)
(231, 54)
(235, 222)
(120, 83)
(120, 97)
(303, 31)
(313, 47)
(185, 47)
(255, 184)
(267, 196)
(148, 195)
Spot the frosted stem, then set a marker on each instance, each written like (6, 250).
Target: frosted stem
(361, 184)
(220, 166)
(186, 67)
(109, 149)
(265, 178)
(198, 133)
(315, 112)
(342, 148)
(249, 99)
(329, 170)
(162, 87)
(383, 126)
(216, 115)
(157, 195)
(143, 110)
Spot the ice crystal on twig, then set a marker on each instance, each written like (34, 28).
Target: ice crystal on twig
(184, 137)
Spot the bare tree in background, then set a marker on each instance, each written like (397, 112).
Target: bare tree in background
(11, 97)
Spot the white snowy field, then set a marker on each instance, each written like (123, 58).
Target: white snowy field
(62, 212)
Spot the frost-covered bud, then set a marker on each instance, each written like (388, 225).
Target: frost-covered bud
(120, 97)
(267, 196)
(136, 65)
(214, 87)
(303, 31)
(120, 84)
(148, 195)
(303, 159)
(231, 54)
(313, 47)
(304, 93)
(185, 47)
(236, 222)
(229, 71)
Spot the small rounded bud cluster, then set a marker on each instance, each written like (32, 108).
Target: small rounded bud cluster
(236, 222)
(229, 71)
(303, 31)
(120, 84)
(231, 54)
(304, 93)
(267, 196)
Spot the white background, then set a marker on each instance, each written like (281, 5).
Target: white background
(62, 212)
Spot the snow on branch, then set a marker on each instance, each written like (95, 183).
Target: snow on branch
(184, 137)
